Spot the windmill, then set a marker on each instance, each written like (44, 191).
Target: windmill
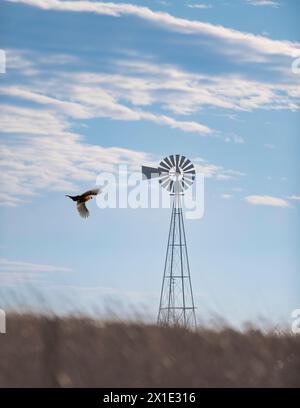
(176, 173)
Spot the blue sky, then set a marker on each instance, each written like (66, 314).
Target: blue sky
(90, 85)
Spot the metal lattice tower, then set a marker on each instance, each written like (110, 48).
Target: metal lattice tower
(176, 306)
(176, 301)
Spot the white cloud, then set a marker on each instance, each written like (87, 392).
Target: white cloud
(269, 146)
(133, 85)
(16, 272)
(164, 3)
(16, 119)
(210, 170)
(35, 164)
(56, 162)
(227, 196)
(256, 43)
(294, 197)
(271, 3)
(232, 137)
(267, 200)
(17, 60)
(200, 6)
(90, 102)
(184, 93)
(46, 156)
(112, 292)
(17, 266)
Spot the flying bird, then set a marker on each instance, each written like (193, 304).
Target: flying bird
(82, 199)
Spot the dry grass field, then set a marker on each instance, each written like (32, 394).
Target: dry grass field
(40, 351)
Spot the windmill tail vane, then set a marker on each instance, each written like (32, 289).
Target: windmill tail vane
(176, 173)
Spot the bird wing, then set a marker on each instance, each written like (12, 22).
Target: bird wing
(83, 211)
(94, 191)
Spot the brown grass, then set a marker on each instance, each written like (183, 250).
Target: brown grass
(77, 352)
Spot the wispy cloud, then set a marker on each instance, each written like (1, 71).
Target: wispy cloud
(184, 93)
(227, 196)
(200, 6)
(39, 163)
(267, 201)
(271, 3)
(91, 103)
(19, 266)
(17, 272)
(112, 292)
(56, 162)
(133, 85)
(18, 60)
(214, 171)
(294, 197)
(146, 83)
(43, 153)
(269, 146)
(230, 36)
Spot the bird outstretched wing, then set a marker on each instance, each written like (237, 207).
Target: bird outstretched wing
(83, 211)
(94, 191)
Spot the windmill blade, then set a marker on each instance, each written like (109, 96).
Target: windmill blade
(177, 167)
(172, 160)
(183, 158)
(186, 183)
(181, 186)
(170, 187)
(149, 172)
(190, 171)
(190, 176)
(165, 183)
(188, 168)
(169, 163)
(164, 178)
(163, 172)
(187, 164)
(163, 167)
